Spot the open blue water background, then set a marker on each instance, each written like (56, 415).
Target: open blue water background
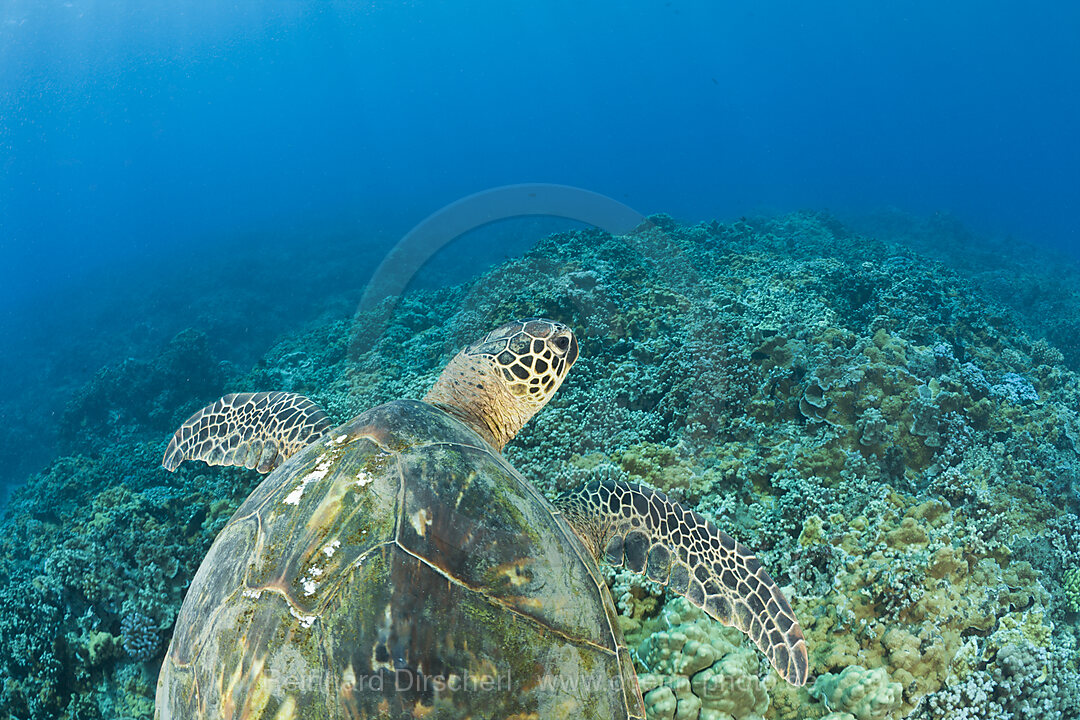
(146, 146)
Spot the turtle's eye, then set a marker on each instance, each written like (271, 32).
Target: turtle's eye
(570, 349)
(562, 343)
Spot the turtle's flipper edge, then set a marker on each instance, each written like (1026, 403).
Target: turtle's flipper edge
(253, 430)
(623, 523)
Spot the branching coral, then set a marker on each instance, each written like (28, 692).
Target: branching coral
(139, 636)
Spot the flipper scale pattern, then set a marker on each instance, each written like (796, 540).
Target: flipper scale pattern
(626, 524)
(254, 430)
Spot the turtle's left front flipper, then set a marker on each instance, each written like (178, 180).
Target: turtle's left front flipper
(254, 430)
(622, 523)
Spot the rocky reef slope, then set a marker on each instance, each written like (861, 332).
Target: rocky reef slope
(890, 420)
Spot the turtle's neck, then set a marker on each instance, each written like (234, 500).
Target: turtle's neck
(471, 390)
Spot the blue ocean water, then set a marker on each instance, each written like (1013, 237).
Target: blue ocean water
(231, 166)
(136, 131)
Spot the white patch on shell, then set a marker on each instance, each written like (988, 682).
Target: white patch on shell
(340, 439)
(358, 562)
(308, 581)
(317, 474)
(306, 621)
(330, 548)
(420, 520)
(252, 593)
(363, 478)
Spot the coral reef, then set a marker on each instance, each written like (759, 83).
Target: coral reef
(858, 692)
(139, 636)
(893, 428)
(1070, 581)
(695, 668)
(143, 394)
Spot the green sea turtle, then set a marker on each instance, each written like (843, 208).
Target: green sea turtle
(397, 566)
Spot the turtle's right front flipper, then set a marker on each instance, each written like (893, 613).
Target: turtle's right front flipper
(622, 523)
(253, 430)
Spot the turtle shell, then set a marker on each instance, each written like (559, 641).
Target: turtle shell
(398, 567)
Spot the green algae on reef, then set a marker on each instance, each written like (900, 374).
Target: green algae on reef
(892, 424)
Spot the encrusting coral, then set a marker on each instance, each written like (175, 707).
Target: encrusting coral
(861, 693)
(699, 670)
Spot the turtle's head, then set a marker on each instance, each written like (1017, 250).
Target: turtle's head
(501, 380)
